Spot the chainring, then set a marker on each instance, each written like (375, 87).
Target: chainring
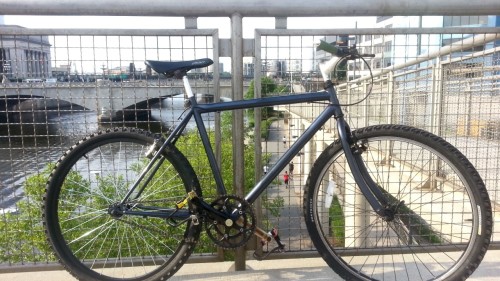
(235, 231)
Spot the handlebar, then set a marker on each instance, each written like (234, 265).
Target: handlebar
(339, 53)
(329, 48)
(340, 56)
(352, 52)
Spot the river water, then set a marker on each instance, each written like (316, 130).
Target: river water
(30, 140)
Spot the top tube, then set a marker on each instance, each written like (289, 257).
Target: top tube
(263, 102)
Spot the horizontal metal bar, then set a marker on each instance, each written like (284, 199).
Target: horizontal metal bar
(8, 30)
(250, 8)
(377, 31)
(478, 54)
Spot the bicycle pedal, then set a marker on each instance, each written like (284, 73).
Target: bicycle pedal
(278, 249)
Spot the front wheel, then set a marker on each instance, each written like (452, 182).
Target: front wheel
(442, 223)
(84, 219)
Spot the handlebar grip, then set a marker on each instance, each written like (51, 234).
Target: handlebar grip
(324, 46)
(368, 55)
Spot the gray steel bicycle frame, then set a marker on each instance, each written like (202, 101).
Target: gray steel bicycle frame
(369, 188)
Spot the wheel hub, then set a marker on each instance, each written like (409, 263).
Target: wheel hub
(116, 210)
(390, 212)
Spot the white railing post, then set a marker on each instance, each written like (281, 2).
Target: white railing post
(436, 98)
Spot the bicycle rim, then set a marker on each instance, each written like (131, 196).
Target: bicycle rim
(92, 177)
(437, 232)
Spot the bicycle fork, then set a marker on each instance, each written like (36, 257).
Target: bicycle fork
(353, 150)
(368, 187)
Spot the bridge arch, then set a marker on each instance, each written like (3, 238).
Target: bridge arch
(111, 101)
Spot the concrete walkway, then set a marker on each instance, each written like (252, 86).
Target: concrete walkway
(284, 269)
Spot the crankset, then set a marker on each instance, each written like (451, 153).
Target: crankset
(237, 226)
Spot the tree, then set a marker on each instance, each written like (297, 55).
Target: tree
(23, 238)
(268, 87)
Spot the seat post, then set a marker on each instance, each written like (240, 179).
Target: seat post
(187, 87)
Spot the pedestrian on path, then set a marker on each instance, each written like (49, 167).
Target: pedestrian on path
(285, 178)
(284, 141)
(266, 168)
(290, 168)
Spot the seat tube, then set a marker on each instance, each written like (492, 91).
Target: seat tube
(221, 189)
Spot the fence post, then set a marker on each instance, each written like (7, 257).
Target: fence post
(258, 152)
(238, 136)
(436, 98)
(390, 97)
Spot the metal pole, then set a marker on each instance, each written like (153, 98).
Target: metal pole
(257, 133)
(238, 136)
(250, 8)
(217, 120)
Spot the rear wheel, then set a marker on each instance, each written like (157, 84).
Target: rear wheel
(442, 223)
(84, 219)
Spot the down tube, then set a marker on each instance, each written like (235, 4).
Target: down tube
(290, 153)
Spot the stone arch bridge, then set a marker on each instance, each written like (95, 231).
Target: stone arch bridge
(112, 101)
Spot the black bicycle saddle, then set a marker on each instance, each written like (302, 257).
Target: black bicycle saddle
(177, 68)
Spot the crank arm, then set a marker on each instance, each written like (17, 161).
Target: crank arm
(266, 238)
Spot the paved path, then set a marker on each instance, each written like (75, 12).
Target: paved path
(290, 223)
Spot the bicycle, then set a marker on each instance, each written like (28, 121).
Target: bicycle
(387, 202)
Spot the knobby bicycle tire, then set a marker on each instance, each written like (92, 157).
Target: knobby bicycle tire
(93, 175)
(442, 224)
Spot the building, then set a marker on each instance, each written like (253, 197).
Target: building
(274, 68)
(396, 49)
(25, 56)
(248, 69)
(392, 50)
(295, 66)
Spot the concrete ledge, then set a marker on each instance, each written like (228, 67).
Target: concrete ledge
(284, 269)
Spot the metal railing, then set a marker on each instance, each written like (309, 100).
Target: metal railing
(96, 79)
